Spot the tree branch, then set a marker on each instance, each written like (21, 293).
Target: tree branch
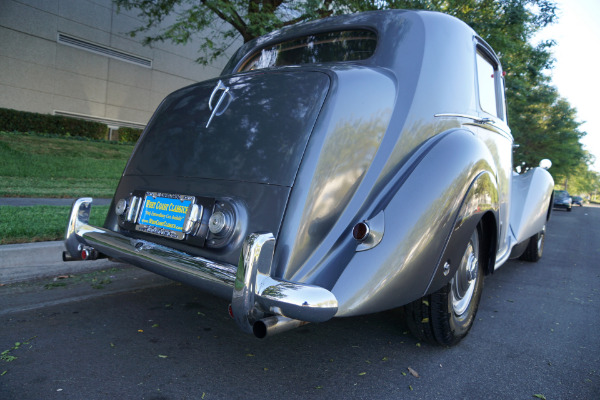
(234, 18)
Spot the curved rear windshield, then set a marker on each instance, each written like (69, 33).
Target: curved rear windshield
(320, 48)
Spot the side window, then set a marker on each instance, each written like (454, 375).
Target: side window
(487, 87)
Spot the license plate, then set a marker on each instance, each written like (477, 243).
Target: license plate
(164, 214)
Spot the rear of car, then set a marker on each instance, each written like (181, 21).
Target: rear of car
(287, 184)
(562, 199)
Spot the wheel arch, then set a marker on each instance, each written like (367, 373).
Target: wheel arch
(479, 210)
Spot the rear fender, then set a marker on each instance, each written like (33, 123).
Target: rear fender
(421, 213)
(480, 205)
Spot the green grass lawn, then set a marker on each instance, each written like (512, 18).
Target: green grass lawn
(41, 166)
(40, 223)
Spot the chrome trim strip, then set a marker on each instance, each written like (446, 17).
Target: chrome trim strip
(489, 123)
(254, 293)
(477, 120)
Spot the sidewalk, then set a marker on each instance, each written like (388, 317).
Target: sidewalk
(22, 262)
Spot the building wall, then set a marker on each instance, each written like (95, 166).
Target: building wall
(40, 74)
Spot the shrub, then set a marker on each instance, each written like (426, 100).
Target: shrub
(23, 121)
(129, 135)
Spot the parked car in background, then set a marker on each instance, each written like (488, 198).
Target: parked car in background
(287, 183)
(577, 200)
(562, 199)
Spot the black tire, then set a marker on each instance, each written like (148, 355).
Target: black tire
(570, 209)
(535, 247)
(446, 316)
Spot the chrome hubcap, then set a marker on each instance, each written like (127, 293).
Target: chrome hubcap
(540, 242)
(463, 283)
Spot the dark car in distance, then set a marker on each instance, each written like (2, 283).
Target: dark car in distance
(285, 184)
(562, 199)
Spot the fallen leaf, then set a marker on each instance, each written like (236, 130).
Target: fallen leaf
(155, 326)
(425, 320)
(425, 302)
(384, 359)
(410, 387)
(319, 387)
(413, 372)
(162, 356)
(140, 330)
(540, 396)
(362, 373)
(249, 355)
(404, 373)
(418, 344)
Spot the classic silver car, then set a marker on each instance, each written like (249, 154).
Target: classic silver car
(335, 168)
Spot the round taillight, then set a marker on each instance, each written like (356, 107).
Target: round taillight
(120, 207)
(217, 222)
(360, 231)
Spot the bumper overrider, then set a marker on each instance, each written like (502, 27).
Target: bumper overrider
(260, 303)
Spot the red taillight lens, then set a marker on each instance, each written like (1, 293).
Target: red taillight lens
(360, 231)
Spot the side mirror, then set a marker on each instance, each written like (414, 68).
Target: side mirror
(545, 163)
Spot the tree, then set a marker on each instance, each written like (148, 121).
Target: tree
(219, 21)
(542, 122)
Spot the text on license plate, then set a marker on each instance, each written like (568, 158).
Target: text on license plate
(163, 212)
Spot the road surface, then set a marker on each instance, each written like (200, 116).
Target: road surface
(120, 334)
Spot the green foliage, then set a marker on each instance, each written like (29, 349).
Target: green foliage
(22, 121)
(581, 182)
(129, 135)
(543, 123)
(203, 20)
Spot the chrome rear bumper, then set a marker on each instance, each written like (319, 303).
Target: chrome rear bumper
(259, 303)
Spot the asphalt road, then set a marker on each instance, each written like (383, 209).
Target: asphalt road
(537, 333)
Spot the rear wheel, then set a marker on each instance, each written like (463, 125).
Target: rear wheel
(446, 316)
(535, 248)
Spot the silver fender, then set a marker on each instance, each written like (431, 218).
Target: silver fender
(419, 219)
(530, 203)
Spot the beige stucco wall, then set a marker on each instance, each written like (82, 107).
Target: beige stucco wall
(39, 74)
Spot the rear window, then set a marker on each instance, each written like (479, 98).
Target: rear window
(320, 48)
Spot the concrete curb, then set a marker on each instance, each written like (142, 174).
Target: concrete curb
(22, 262)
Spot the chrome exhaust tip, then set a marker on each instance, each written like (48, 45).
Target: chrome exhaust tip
(273, 325)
